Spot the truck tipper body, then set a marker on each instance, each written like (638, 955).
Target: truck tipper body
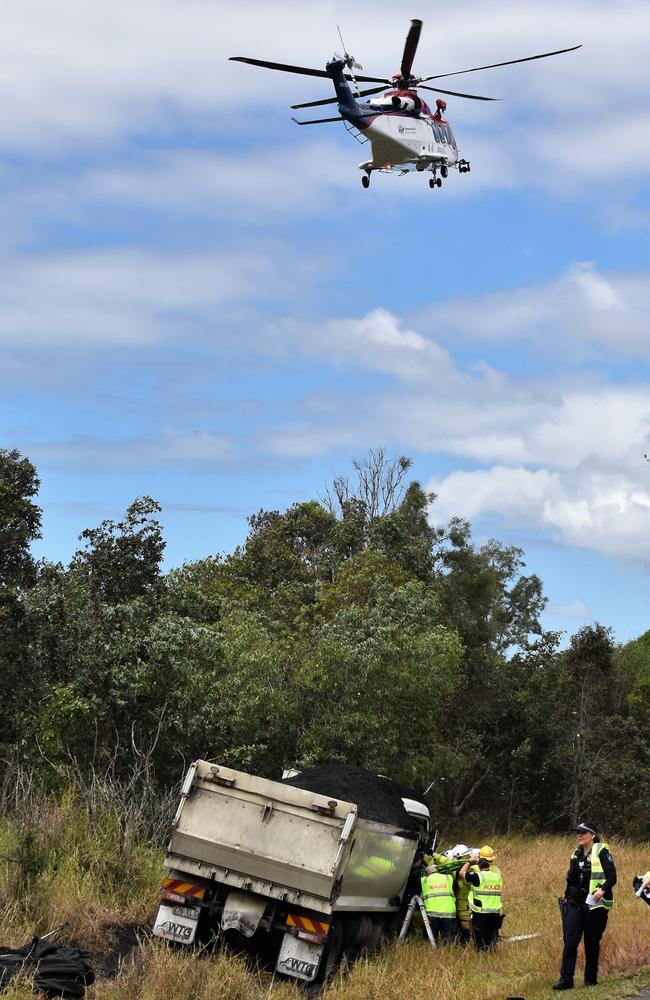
(282, 866)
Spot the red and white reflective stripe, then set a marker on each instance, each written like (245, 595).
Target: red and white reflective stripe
(306, 924)
(179, 889)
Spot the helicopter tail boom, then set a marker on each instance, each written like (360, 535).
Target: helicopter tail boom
(348, 106)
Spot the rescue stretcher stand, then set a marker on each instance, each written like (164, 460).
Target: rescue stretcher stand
(417, 901)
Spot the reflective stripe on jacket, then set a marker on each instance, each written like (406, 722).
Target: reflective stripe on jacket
(487, 897)
(438, 895)
(597, 878)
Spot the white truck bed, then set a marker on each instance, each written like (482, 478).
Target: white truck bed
(286, 843)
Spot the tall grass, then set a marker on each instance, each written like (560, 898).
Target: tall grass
(92, 855)
(534, 869)
(86, 854)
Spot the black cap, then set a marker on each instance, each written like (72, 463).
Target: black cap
(585, 827)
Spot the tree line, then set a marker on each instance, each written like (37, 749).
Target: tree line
(347, 627)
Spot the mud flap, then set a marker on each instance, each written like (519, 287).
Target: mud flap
(299, 959)
(176, 923)
(242, 912)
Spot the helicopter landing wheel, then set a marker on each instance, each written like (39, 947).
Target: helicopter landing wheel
(432, 182)
(444, 170)
(439, 182)
(365, 180)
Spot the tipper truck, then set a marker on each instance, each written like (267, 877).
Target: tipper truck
(300, 875)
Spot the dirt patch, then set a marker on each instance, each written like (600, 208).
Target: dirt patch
(120, 946)
(377, 799)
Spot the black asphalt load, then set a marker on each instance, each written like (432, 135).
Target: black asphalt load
(377, 798)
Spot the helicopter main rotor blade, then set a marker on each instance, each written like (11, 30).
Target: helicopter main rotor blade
(303, 70)
(456, 93)
(318, 121)
(378, 90)
(508, 62)
(410, 48)
(334, 100)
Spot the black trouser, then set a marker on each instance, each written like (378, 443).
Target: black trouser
(443, 927)
(486, 929)
(579, 920)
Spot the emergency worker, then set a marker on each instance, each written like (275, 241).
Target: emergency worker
(461, 892)
(641, 883)
(485, 898)
(440, 902)
(588, 898)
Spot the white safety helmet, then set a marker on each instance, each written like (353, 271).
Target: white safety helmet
(459, 851)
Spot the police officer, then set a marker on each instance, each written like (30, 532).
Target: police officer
(485, 898)
(587, 901)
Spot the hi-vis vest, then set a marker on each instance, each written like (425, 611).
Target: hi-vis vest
(438, 895)
(486, 898)
(597, 874)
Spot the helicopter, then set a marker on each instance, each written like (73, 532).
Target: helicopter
(404, 134)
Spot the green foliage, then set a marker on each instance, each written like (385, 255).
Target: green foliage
(122, 561)
(632, 664)
(344, 628)
(379, 683)
(20, 522)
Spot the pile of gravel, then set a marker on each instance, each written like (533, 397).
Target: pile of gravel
(378, 799)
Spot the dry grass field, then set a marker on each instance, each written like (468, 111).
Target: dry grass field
(60, 869)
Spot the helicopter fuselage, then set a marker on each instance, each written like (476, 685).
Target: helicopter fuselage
(404, 133)
(409, 139)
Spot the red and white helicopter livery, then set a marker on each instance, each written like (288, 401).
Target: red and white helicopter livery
(404, 133)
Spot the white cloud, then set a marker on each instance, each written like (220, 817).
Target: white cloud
(607, 512)
(74, 73)
(576, 609)
(172, 447)
(298, 179)
(377, 341)
(562, 454)
(125, 296)
(582, 310)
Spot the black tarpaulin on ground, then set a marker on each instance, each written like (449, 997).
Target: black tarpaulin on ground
(56, 970)
(378, 799)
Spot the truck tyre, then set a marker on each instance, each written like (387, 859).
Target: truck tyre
(366, 934)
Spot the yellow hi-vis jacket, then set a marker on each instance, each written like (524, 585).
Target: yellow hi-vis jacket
(597, 875)
(438, 895)
(486, 898)
(462, 890)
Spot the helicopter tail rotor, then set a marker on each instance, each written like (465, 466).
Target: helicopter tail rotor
(349, 61)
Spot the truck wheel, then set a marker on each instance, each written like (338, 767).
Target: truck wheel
(366, 935)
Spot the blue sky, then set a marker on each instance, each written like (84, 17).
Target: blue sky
(199, 301)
